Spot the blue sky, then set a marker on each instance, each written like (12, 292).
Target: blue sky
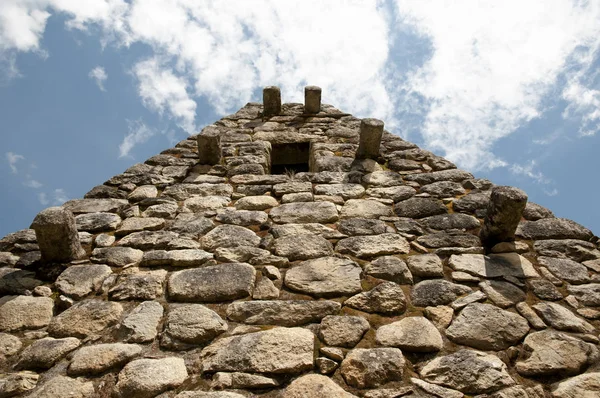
(508, 90)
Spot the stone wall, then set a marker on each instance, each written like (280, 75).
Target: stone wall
(364, 277)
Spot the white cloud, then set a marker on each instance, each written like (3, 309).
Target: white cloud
(60, 196)
(43, 198)
(138, 134)
(31, 183)
(98, 74)
(12, 159)
(22, 24)
(161, 90)
(529, 170)
(492, 65)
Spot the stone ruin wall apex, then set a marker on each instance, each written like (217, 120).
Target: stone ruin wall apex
(293, 250)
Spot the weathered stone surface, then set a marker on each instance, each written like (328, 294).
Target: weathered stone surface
(97, 222)
(468, 371)
(441, 315)
(278, 350)
(315, 386)
(419, 208)
(143, 192)
(444, 175)
(265, 289)
(192, 225)
(280, 231)
(583, 386)
(365, 208)
(566, 269)
(486, 327)
(204, 394)
(85, 318)
(305, 212)
(24, 312)
(302, 247)
(184, 191)
(503, 294)
(502, 216)
(136, 224)
(586, 294)
(80, 280)
(140, 326)
(252, 255)
(346, 191)
(206, 205)
(62, 386)
(243, 380)
(117, 256)
(13, 384)
(396, 194)
(389, 268)
(56, 234)
(385, 298)
(101, 357)
(512, 392)
(229, 236)
(544, 289)
(450, 221)
(368, 368)
(146, 378)
(363, 226)
(148, 240)
(78, 206)
(44, 353)
(443, 189)
(191, 324)
(574, 249)
(326, 276)
(220, 282)
(414, 334)
(17, 281)
(436, 292)
(449, 239)
(284, 313)
(343, 331)
(256, 203)
(425, 265)
(242, 217)
(373, 245)
(548, 352)
(9, 345)
(534, 212)
(432, 390)
(494, 265)
(139, 286)
(561, 318)
(176, 258)
(553, 228)
(383, 179)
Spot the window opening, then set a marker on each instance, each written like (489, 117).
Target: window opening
(290, 158)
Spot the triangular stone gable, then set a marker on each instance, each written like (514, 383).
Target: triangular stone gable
(381, 271)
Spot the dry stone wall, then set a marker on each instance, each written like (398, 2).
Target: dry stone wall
(204, 276)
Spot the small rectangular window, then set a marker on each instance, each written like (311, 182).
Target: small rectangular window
(291, 157)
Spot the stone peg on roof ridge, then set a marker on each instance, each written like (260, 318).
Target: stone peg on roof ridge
(209, 145)
(504, 212)
(371, 131)
(271, 101)
(57, 236)
(312, 99)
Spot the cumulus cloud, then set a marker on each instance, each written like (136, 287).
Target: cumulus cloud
(12, 159)
(98, 74)
(138, 134)
(43, 198)
(491, 67)
(530, 170)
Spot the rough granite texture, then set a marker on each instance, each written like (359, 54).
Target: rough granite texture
(208, 276)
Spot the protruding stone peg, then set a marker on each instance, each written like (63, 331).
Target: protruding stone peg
(271, 101)
(209, 145)
(504, 212)
(312, 99)
(57, 236)
(371, 131)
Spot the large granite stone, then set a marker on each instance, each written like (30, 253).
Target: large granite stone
(365, 208)
(305, 212)
(97, 222)
(17, 281)
(415, 334)
(494, 265)
(80, 280)
(280, 312)
(191, 324)
(363, 226)
(139, 285)
(229, 236)
(117, 256)
(487, 327)
(99, 358)
(390, 268)
(302, 247)
(553, 228)
(443, 189)
(450, 221)
(78, 206)
(24, 312)
(574, 249)
(85, 318)
(343, 331)
(444, 175)
(325, 276)
(561, 318)
(148, 240)
(548, 352)
(314, 386)
(147, 378)
(449, 239)
(222, 282)
(583, 386)
(385, 298)
(140, 326)
(62, 386)
(587, 294)
(136, 224)
(419, 208)
(44, 353)
(346, 191)
(56, 234)
(565, 269)
(372, 367)
(436, 292)
(373, 245)
(471, 372)
(278, 350)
